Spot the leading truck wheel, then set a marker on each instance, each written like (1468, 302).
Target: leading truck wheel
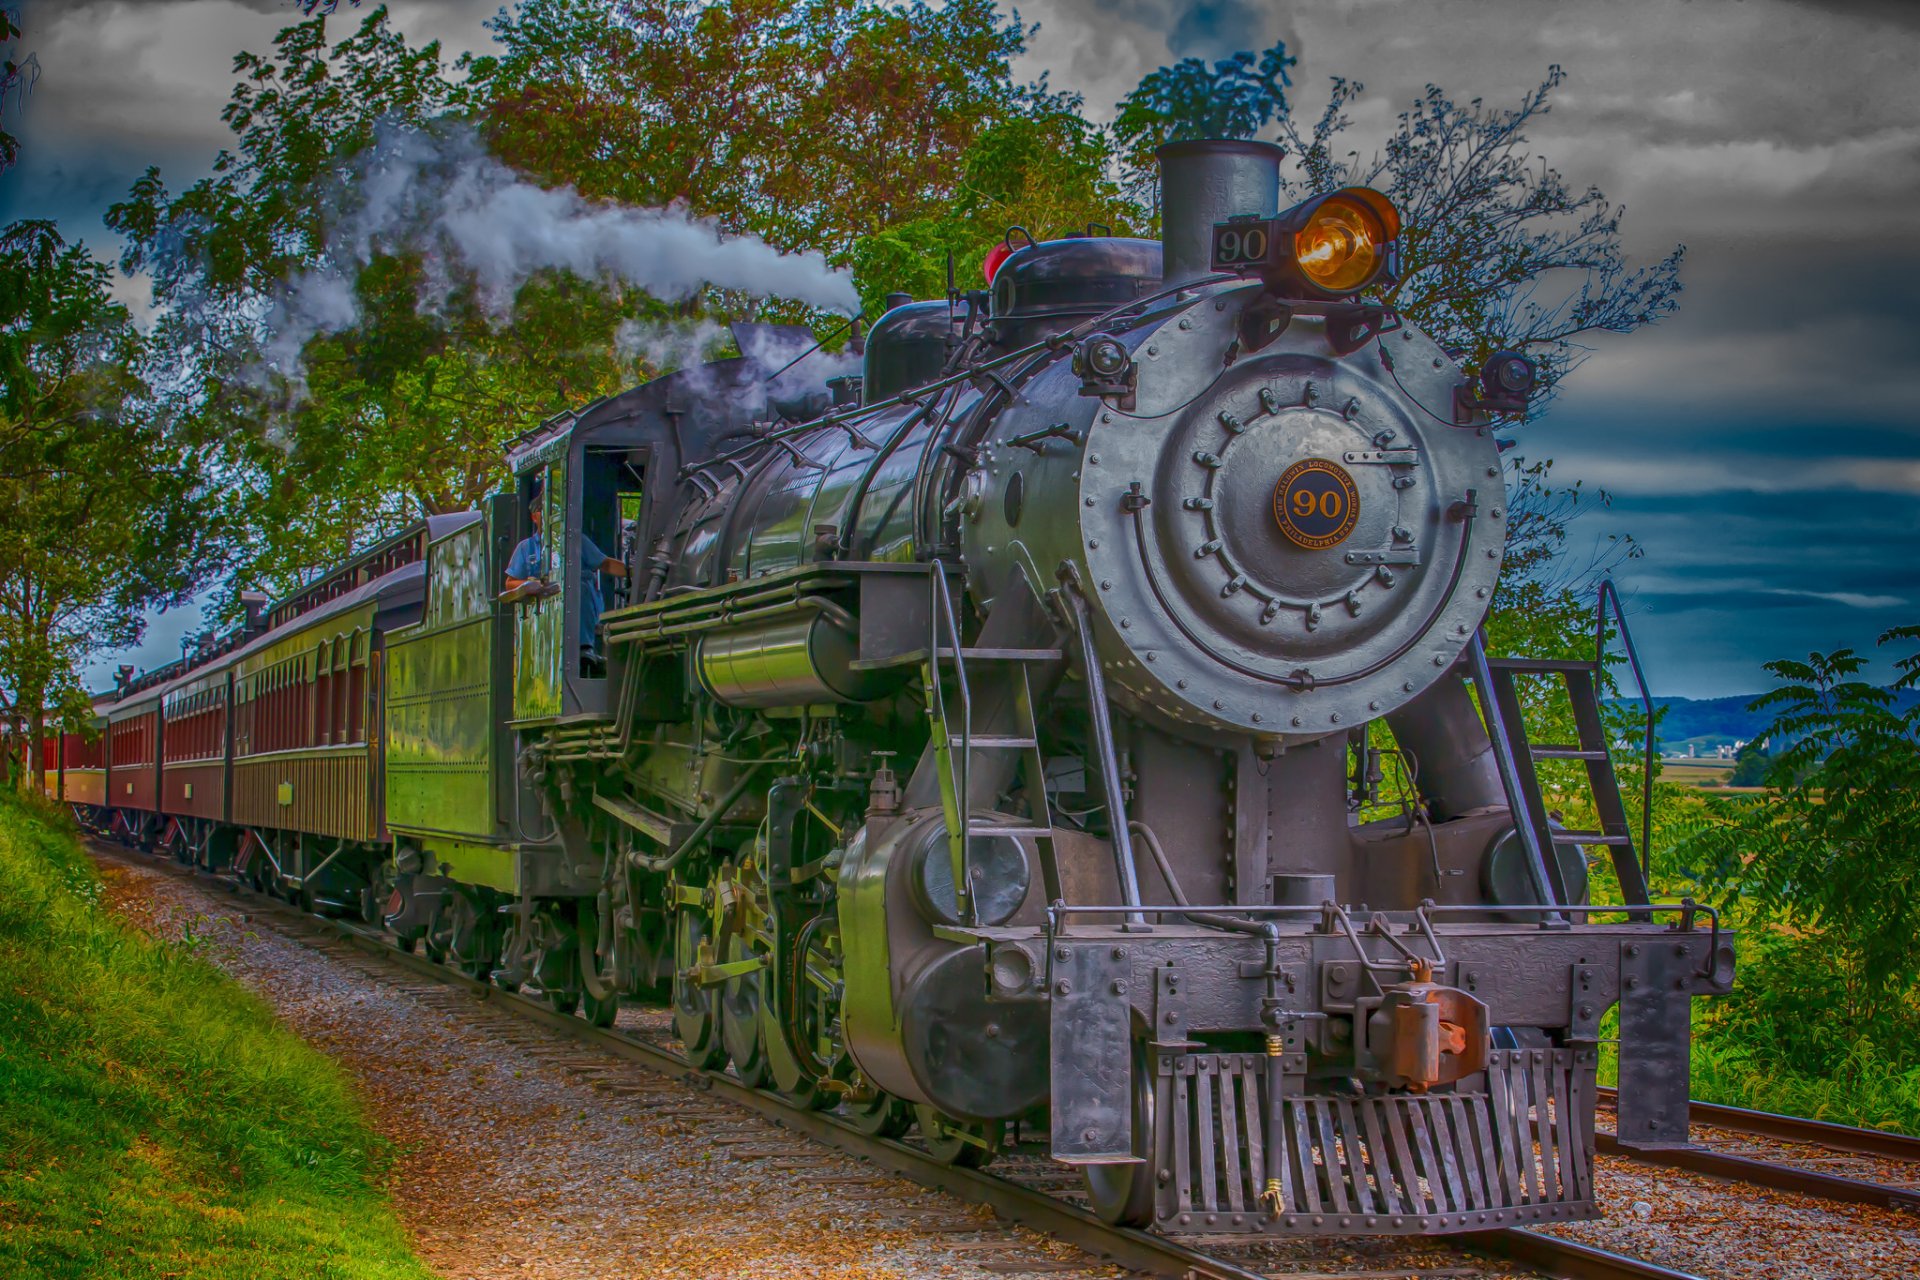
(696, 1009)
(968, 1144)
(881, 1116)
(1122, 1194)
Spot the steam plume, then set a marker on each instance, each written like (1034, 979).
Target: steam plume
(472, 219)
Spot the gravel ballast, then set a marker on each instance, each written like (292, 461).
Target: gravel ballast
(517, 1162)
(515, 1165)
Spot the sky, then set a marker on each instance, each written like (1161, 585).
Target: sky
(1762, 446)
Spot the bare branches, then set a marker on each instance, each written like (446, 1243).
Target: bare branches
(1499, 250)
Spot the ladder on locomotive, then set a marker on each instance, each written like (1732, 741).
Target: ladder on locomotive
(950, 720)
(1582, 680)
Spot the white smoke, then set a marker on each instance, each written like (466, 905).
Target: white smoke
(792, 370)
(666, 347)
(793, 360)
(474, 221)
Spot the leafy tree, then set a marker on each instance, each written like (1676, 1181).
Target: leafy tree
(1750, 765)
(1045, 173)
(819, 125)
(99, 494)
(399, 410)
(1829, 855)
(1236, 97)
(885, 136)
(809, 124)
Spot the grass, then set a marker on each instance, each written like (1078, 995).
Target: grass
(1865, 1088)
(155, 1120)
(1737, 1065)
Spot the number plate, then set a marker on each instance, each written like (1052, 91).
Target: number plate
(1242, 245)
(1316, 503)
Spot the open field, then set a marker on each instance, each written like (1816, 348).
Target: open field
(1704, 774)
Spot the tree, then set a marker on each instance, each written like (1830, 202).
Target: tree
(1236, 97)
(99, 497)
(1750, 765)
(1045, 173)
(339, 428)
(809, 124)
(884, 136)
(1829, 855)
(1497, 251)
(818, 126)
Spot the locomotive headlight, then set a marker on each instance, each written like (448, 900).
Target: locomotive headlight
(1331, 246)
(1343, 245)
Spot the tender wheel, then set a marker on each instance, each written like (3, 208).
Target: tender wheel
(696, 1009)
(600, 1010)
(473, 946)
(740, 1017)
(554, 975)
(969, 1144)
(556, 967)
(881, 1116)
(1123, 1193)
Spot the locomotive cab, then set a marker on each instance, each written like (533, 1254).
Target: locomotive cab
(590, 489)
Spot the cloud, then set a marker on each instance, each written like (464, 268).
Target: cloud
(110, 10)
(1663, 473)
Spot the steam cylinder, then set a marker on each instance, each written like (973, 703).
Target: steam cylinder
(1205, 182)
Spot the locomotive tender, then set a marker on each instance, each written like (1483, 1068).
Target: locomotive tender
(987, 744)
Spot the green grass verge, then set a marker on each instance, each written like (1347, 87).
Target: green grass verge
(1864, 1088)
(155, 1120)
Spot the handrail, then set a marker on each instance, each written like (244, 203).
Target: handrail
(1609, 594)
(940, 610)
(1526, 823)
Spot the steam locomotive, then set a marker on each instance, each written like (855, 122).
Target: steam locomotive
(984, 741)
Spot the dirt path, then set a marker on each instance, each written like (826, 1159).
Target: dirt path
(514, 1165)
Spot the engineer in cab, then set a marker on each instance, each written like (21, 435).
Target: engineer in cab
(524, 583)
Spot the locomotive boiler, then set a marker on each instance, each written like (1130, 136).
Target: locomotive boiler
(989, 741)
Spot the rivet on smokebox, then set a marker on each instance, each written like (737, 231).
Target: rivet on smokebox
(1063, 988)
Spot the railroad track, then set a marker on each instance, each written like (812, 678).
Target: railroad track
(1013, 1188)
(1714, 1159)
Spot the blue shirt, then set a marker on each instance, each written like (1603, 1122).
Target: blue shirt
(527, 562)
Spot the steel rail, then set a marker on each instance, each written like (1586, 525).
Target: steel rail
(1770, 1124)
(1137, 1250)
(1764, 1173)
(1711, 1163)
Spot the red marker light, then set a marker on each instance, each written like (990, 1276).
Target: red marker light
(995, 256)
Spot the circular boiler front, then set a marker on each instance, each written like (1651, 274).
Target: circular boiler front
(1287, 543)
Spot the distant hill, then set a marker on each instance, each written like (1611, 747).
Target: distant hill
(1708, 722)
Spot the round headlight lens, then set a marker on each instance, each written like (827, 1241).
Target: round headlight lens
(1343, 245)
(1106, 357)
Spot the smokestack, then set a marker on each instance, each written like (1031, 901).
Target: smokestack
(1205, 182)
